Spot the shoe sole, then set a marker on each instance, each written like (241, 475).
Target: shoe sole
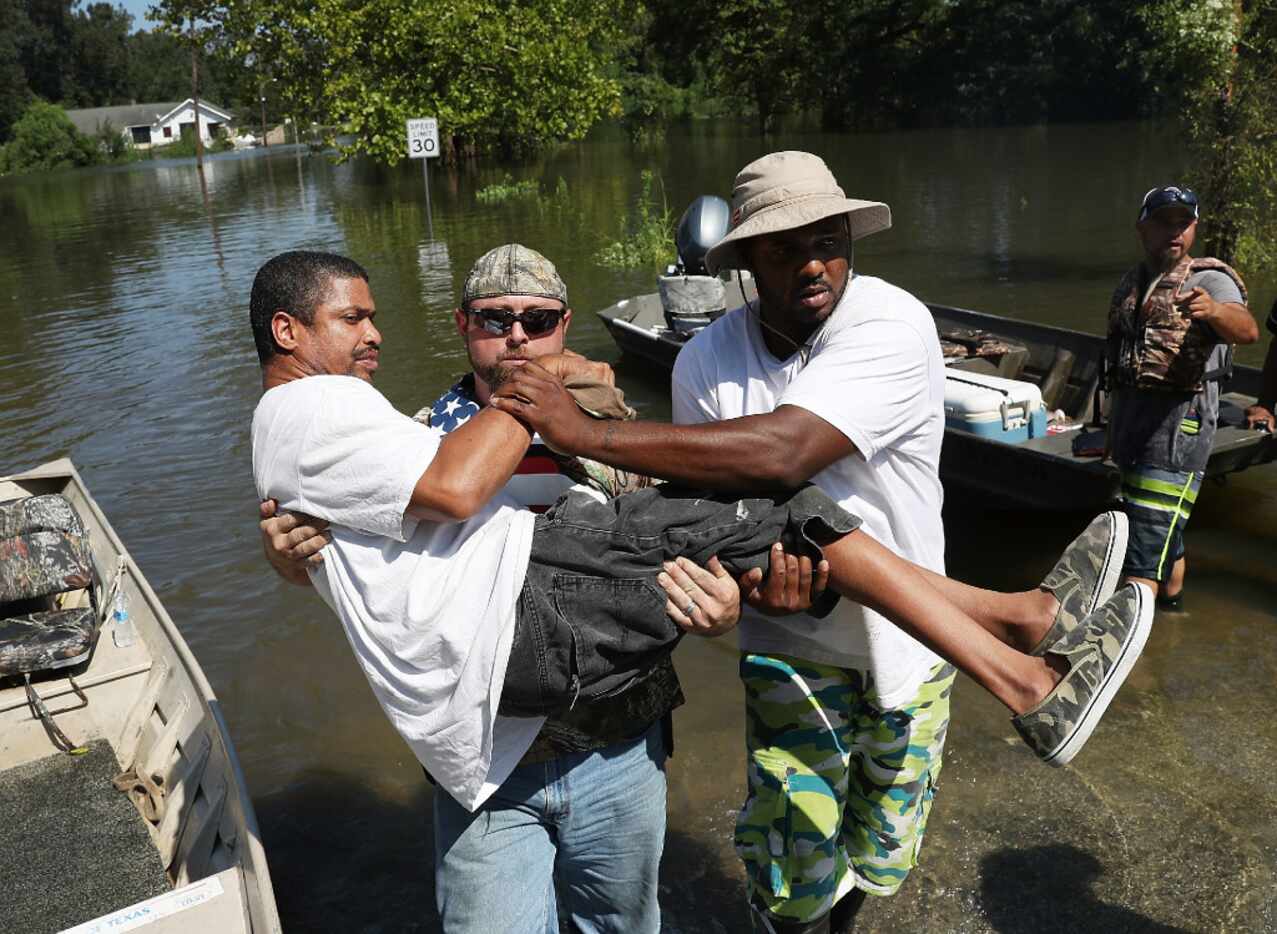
(1114, 558)
(1130, 653)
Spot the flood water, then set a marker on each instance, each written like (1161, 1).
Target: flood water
(123, 310)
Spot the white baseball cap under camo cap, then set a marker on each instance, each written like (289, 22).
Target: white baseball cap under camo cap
(513, 269)
(785, 190)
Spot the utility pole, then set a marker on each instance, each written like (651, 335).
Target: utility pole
(195, 93)
(261, 94)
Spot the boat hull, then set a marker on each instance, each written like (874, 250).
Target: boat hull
(149, 704)
(1039, 474)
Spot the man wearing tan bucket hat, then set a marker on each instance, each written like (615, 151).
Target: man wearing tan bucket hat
(846, 723)
(856, 360)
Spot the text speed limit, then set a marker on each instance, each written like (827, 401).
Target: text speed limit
(423, 138)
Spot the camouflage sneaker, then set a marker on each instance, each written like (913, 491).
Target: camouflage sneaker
(1100, 652)
(1085, 576)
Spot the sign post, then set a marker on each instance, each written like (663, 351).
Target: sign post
(423, 144)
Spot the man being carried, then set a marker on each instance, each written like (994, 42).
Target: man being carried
(472, 619)
(1171, 322)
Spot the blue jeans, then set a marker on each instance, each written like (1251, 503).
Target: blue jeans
(593, 821)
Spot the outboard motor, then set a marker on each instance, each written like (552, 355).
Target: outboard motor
(690, 296)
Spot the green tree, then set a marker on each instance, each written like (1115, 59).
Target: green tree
(15, 93)
(97, 70)
(197, 23)
(159, 67)
(44, 138)
(1232, 121)
(503, 75)
(760, 54)
(45, 48)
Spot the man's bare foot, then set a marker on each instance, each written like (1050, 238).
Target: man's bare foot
(1041, 608)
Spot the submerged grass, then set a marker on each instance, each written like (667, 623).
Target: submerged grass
(507, 190)
(648, 235)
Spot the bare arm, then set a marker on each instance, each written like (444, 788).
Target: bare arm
(471, 466)
(1232, 323)
(784, 448)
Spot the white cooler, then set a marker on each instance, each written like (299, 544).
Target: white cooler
(1008, 410)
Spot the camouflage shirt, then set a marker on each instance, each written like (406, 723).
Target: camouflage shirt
(602, 723)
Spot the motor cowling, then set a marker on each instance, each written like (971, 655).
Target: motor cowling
(702, 225)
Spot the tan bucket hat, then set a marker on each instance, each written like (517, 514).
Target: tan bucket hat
(784, 190)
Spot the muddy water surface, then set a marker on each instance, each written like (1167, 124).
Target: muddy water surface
(123, 305)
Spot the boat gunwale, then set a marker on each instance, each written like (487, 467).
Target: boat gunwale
(1230, 454)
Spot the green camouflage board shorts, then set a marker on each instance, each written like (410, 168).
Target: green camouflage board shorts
(839, 790)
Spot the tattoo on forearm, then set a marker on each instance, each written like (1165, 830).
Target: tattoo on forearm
(607, 436)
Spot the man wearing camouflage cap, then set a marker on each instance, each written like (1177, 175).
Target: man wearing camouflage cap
(602, 762)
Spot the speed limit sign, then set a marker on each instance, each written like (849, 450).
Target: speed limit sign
(423, 138)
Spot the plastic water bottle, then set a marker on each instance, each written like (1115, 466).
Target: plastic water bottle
(122, 632)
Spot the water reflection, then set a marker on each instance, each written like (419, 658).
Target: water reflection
(123, 305)
(435, 267)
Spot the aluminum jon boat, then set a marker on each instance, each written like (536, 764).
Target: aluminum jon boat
(1002, 451)
(124, 804)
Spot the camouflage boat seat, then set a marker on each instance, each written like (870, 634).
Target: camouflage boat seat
(44, 562)
(691, 303)
(962, 347)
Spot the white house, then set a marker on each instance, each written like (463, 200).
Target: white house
(147, 125)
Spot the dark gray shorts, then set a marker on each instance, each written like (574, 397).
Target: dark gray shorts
(591, 617)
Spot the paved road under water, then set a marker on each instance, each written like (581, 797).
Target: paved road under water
(123, 305)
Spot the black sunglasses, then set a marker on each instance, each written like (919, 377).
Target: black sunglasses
(535, 321)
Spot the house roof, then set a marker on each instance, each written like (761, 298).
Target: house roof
(122, 117)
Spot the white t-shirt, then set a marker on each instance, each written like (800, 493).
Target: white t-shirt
(875, 373)
(428, 607)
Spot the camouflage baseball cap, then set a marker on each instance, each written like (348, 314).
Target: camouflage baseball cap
(513, 269)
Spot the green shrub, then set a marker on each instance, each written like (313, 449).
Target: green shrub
(44, 138)
(507, 190)
(649, 239)
(113, 143)
(184, 148)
